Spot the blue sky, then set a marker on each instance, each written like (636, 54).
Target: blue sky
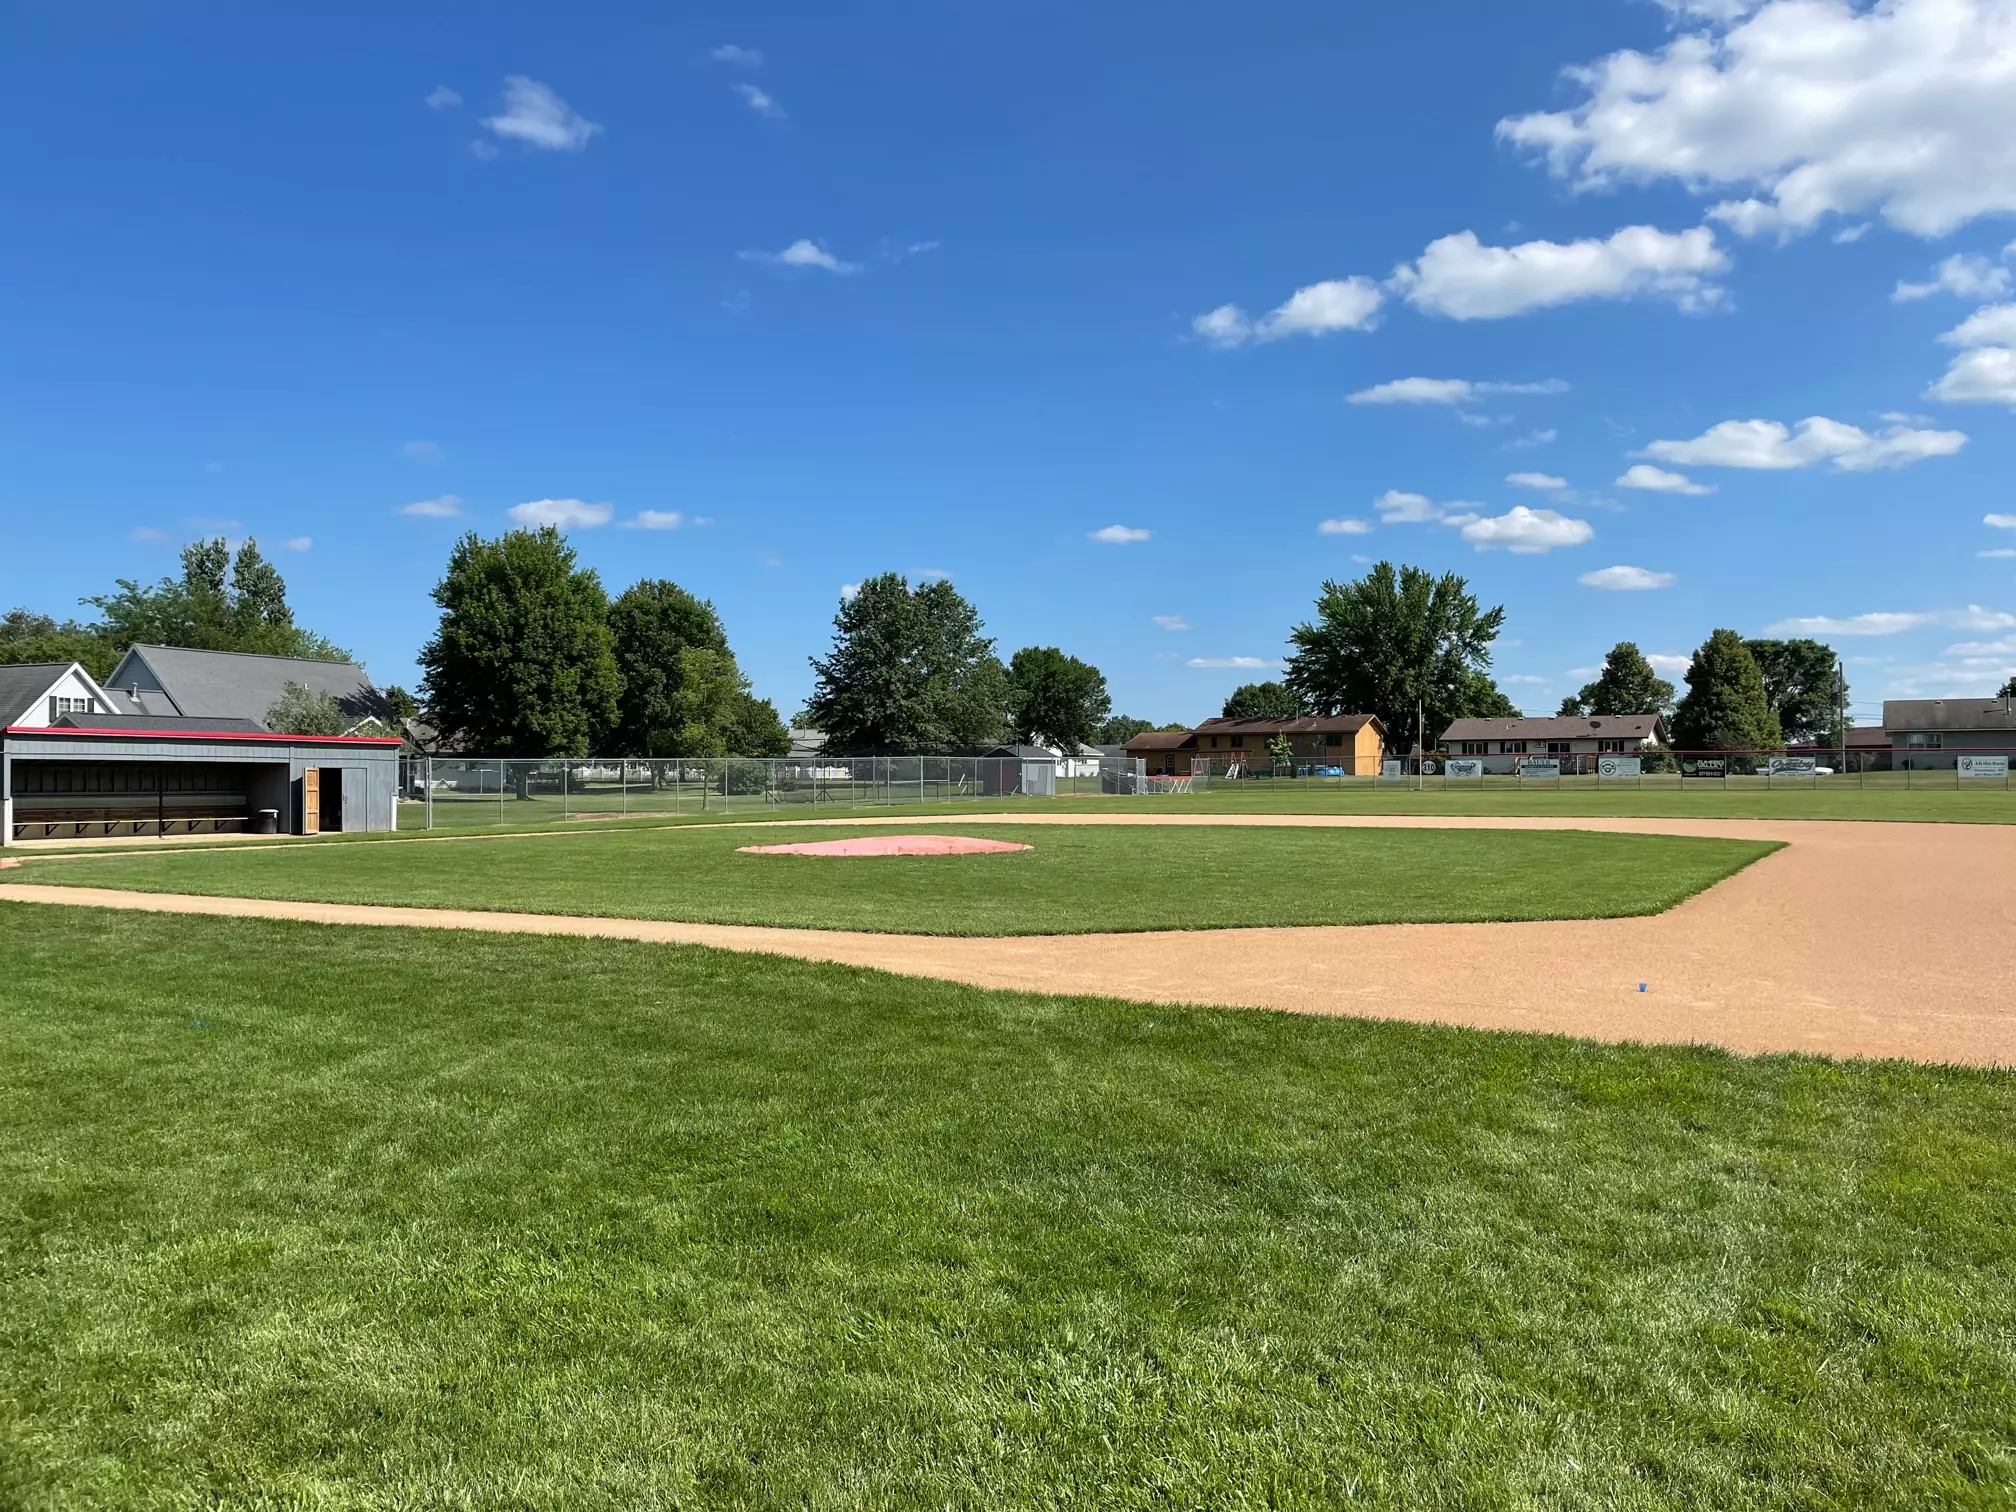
(822, 291)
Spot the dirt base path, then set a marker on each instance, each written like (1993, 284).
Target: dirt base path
(1857, 940)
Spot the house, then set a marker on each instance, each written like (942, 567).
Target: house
(40, 693)
(1573, 739)
(190, 684)
(1930, 734)
(1352, 744)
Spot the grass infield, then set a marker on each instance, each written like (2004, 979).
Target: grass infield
(1076, 880)
(297, 1216)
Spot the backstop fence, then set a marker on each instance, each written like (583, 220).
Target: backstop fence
(448, 792)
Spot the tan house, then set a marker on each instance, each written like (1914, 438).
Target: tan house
(1353, 744)
(1573, 739)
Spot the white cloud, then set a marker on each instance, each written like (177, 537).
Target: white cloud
(1999, 521)
(1982, 648)
(421, 451)
(802, 253)
(1119, 535)
(1767, 445)
(1398, 508)
(1337, 304)
(1540, 480)
(1344, 526)
(1626, 579)
(441, 97)
(1644, 475)
(1522, 677)
(447, 507)
(849, 592)
(1986, 375)
(535, 115)
(761, 101)
(1448, 390)
(1858, 624)
(1458, 277)
(740, 57)
(1999, 551)
(1172, 622)
(656, 519)
(297, 543)
(1532, 439)
(482, 151)
(1968, 277)
(568, 514)
(1991, 325)
(1974, 617)
(1526, 532)
(1902, 109)
(1661, 662)
(1246, 662)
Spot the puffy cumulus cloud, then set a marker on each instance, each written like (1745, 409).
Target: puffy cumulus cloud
(760, 100)
(1894, 622)
(1644, 476)
(566, 514)
(441, 97)
(1172, 622)
(1626, 579)
(1999, 521)
(1985, 371)
(1397, 507)
(803, 253)
(1526, 532)
(1967, 276)
(1669, 663)
(1345, 525)
(1119, 535)
(1244, 663)
(1904, 109)
(1767, 445)
(536, 116)
(1337, 304)
(1448, 390)
(445, 507)
(739, 57)
(1460, 277)
(1544, 481)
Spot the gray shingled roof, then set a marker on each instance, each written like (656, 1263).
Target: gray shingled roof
(237, 685)
(163, 724)
(22, 683)
(1907, 714)
(1557, 727)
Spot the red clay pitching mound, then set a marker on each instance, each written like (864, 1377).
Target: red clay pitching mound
(888, 845)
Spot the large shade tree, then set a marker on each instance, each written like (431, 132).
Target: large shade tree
(26, 636)
(1056, 700)
(1725, 708)
(522, 663)
(1803, 686)
(1626, 685)
(223, 601)
(1412, 648)
(910, 673)
(1261, 700)
(682, 693)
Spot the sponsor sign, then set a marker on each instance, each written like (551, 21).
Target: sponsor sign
(1996, 767)
(1793, 766)
(1392, 769)
(1540, 766)
(1427, 769)
(1620, 766)
(1462, 767)
(1713, 766)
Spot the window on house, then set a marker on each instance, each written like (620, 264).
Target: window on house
(1511, 748)
(1613, 745)
(1560, 748)
(1333, 740)
(1238, 740)
(58, 707)
(1476, 747)
(1924, 740)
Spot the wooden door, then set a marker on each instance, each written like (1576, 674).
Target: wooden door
(311, 801)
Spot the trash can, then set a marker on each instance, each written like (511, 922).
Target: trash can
(266, 822)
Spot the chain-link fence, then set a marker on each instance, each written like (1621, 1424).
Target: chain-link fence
(1969, 768)
(444, 792)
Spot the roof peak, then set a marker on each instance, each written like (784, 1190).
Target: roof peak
(309, 661)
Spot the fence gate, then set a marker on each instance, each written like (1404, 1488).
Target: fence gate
(311, 801)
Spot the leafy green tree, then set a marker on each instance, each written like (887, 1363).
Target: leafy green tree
(1282, 750)
(302, 711)
(663, 636)
(521, 664)
(219, 603)
(1393, 640)
(1121, 728)
(909, 674)
(400, 705)
(1725, 708)
(2007, 690)
(1626, 685)
(1262, 700)
(26, 636)
(1056, 700)
(1800, 685)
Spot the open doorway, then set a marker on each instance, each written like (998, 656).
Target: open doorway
(330, 804)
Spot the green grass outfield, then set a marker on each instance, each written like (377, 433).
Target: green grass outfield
(1077, 879)
(296, 1216)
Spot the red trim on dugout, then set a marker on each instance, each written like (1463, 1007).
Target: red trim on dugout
(66, 730)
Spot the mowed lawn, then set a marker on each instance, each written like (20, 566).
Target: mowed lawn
(297, 1216)
(1076, 879)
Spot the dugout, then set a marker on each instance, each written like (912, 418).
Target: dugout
(145, 775)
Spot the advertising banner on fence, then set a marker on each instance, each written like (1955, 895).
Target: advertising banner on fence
(1620, 766)
(1540, 766)
(1708, 766)
(1793, 766)
(1996, 767)
(1463, 768)
(1392, 769)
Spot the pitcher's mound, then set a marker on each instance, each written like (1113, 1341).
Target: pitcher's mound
(888, 845)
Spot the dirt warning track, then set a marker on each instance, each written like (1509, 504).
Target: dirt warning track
(1856, 940)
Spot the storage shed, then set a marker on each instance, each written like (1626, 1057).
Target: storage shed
(120, 775)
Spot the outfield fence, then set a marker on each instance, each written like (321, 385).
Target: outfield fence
(1903, 768)
(451, 792)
